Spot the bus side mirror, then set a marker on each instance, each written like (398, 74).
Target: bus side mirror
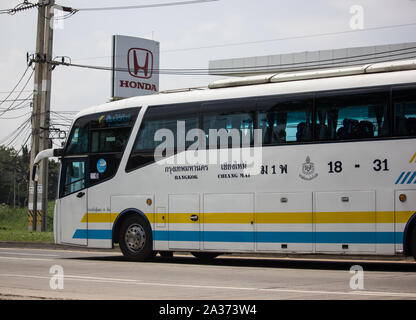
(58, 152)
(44, 154)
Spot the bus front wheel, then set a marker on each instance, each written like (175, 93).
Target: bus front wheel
(136, 239)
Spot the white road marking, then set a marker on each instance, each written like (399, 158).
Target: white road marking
(191, 286)
(89, 251)
(26, 259)
(29, 254)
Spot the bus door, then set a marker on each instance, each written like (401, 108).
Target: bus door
(73, 201)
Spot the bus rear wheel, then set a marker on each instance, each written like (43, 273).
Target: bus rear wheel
(413, 242)
(136, 239)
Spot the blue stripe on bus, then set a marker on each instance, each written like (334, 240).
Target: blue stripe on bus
(400, 177)
(260, 237)
(92, 234)
(288, 237)
(405, 177)
(411, 178)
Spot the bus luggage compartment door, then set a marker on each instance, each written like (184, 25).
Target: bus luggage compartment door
(345, 221)
(184, 221)
(228, 222)
(284, 222)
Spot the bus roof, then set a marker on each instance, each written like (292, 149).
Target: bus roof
(377, 74)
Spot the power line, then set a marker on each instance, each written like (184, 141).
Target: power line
(242, 43)
(14, 100)
(24, 143)
(20, 7)
(13, 136)
(21, 104)
(146, 6)
(11, 92)
(327, 62)
(18, 96)
(358, 59)
(315, 35)
(16, 117)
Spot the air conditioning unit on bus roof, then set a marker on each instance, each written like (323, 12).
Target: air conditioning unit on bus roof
(388, 66)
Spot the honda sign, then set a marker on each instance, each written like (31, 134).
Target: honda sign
(135, 66)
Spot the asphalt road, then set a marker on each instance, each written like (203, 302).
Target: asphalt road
(25, 273)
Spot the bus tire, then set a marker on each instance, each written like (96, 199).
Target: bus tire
(413, 242)
(136, 239)
(205, 256)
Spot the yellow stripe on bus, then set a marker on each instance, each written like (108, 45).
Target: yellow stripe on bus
(283, 217)
(265, 217)
(413, 158)
(403, 216)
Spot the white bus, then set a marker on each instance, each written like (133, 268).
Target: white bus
(337, 172)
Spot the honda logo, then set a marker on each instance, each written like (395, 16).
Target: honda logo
(140, 63)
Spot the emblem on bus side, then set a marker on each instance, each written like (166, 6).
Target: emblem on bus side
(308, 170)
(101, 166)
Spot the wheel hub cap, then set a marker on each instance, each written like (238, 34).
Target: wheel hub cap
(135, 238)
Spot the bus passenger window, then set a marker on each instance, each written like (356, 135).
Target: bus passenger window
(109, 140)
(243, 122)
(352, 116)
(146, 139)
(284, 121)
(169, 118)
(404, 102)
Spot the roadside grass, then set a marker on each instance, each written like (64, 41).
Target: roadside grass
(14, 225)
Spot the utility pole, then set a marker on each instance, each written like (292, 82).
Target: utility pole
(38, 190)
(45, 142)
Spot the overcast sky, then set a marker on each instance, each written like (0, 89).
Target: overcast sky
(183, 31)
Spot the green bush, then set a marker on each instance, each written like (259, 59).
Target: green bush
(14, 225)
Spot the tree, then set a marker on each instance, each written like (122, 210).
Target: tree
(6, 174)
(14, 176)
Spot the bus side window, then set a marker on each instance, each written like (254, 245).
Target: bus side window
(146, 138)
(157, 118)
(74, 177)
(232, 121)
(242, 122)
(109, 140)
(348, 116)
(404, 103)
(284, 120)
